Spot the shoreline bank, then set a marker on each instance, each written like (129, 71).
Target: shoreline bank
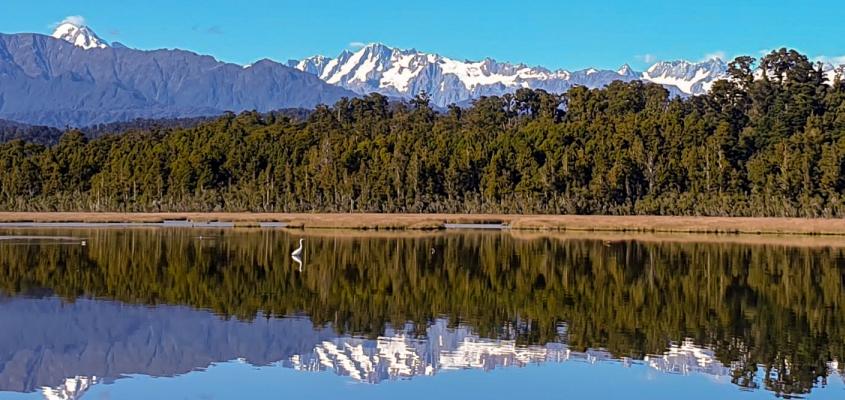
(371, 221)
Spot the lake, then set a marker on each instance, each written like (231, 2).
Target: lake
(222, 313)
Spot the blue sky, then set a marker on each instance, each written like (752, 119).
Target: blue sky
(552, 33)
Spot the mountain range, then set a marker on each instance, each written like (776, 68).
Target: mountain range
(75, 78)
(406, 73)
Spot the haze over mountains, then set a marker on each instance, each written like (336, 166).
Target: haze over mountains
(76, 78)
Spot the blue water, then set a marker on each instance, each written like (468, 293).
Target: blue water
(237, 380)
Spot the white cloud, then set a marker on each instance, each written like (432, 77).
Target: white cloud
(647, 58)
(357, 45)
(716, 54)
(835, 60)
(77, 20)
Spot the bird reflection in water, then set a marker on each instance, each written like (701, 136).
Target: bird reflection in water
(296, 255)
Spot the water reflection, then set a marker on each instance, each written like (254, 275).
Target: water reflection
(72, 388)
(298, 262)
(383, 308)
(64, 349)
(401, 354)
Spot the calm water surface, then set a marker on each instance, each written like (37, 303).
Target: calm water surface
(227, 314)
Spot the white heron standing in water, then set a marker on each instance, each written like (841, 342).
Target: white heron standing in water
(298, 251)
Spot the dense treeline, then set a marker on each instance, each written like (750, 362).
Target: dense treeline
(49, 136)
(774, 314)
(10, 130)
(146, 124)
(766, 142)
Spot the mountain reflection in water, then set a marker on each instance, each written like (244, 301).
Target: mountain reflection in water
(159, 302)
(70, 347)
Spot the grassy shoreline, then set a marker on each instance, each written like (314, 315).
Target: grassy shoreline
(587, 223)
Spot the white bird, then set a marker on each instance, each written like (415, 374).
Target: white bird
(298, 251)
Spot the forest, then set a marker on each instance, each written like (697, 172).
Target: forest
(768, 141)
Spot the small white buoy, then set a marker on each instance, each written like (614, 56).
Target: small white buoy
(83, 243)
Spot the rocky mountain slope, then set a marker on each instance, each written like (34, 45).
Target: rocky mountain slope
(79, 80)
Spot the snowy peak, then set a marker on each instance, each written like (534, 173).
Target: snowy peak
(312, 65)
(685, 68)
(79, 35)
(362, 66)
(108, 85)
(407, 73)
(690, 78)
(627, 71)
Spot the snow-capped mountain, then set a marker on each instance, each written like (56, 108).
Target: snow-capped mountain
(76, 81)
(406, 73)
(689, 78)
(313, 65)
(79, 35)
(75, 78)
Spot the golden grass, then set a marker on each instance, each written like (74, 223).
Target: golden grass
(653, 224)
(609, 238)
(683, 224)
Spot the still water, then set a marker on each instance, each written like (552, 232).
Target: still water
(227, 314)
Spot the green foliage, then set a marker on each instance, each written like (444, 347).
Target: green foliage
(771, 146)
